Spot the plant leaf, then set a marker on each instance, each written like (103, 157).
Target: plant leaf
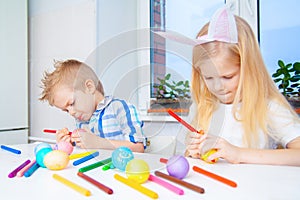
(281, 64)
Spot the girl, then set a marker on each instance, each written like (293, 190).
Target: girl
(236, 99)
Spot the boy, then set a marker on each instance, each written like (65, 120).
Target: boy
(102, 121)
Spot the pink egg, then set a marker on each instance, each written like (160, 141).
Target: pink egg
(64, 146)
(56, 160)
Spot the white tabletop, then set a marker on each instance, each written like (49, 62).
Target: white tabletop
(254, 181)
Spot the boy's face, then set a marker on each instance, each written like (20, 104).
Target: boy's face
(81, 105)
(221, 77)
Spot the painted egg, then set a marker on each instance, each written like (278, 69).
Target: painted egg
(41, 146)
(137, 170)
(40, 155)
(56, 160)
(121, 156)
(178, 166)
(207, 154)
(64, 146)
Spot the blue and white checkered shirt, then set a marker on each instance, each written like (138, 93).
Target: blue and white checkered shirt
(115, 119)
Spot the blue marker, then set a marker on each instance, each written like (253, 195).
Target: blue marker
(86, 158)
(16, 151)
(31, 170)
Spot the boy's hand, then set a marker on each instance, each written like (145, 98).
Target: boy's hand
(82, 137)
(63, 135)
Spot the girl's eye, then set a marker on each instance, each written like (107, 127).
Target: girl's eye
(207, 78)
(228, 77)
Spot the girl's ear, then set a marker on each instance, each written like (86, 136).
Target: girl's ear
(90, 86)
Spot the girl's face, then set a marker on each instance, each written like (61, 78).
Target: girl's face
(221, 77)
(81, 105)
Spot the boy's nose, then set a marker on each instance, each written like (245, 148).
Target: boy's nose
(71, 112)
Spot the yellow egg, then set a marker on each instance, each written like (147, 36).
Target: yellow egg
(56, 160)
(207, 154)
(137, 170)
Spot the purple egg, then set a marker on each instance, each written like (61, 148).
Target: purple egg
(178, 166)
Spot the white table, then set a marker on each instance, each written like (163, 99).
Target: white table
(254, 181)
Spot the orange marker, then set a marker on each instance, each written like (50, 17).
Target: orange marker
(163, 160)
(215, 176)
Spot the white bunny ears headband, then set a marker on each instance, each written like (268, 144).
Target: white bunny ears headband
(222, 27)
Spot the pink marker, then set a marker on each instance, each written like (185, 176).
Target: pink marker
(15, 171)
(22, 171)
(166, 184)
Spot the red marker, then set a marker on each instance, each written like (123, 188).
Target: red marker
(184, 122)
(53, 131)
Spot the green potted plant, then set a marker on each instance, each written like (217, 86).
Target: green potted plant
(287, 76)
(171, 95)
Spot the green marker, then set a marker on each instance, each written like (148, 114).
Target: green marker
(106, 167)
(95, 165)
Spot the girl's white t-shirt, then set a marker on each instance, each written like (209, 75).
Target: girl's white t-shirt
(282, 128)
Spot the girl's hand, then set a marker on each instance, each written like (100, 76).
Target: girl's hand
(226, 151)
(63, 135)
(193, 144)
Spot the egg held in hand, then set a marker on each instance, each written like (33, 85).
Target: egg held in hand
(64, 146)
(206, 155)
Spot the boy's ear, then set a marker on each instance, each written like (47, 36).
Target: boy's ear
(90, 86)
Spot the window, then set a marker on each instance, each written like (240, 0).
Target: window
(184, 17)
(279, 32)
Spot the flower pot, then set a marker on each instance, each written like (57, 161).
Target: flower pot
(161, 106)
(295, 103)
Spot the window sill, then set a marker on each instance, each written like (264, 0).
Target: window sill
(146, 117)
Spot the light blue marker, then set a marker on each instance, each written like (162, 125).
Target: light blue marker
(31, 170)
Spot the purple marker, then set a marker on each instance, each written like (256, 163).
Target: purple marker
(14, 172)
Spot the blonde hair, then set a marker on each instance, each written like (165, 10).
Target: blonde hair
(256, 87)
(72, 73)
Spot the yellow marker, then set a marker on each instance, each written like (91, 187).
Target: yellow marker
(80, 155)
(136, 186)
(72, 185)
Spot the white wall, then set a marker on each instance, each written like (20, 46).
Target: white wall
(13, 76)
(88, 30)
(58, 30)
